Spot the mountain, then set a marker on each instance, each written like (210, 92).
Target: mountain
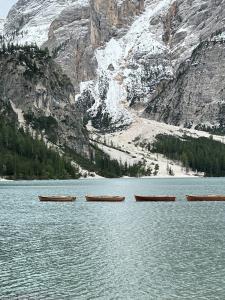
(194, 32)
(195, 97)
(127, 58)
(43, 133)
(137, 67)
(41, 96)
(29, 20)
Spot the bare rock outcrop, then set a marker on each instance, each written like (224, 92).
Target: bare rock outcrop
(42, 96)
(196, 96)
(109, 16)
(69, 41)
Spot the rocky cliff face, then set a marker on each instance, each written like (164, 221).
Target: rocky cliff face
(69, 41)
(133, 57)
(196, 97)
(110, 16)
(63, 26)
(41, 97)
(130, 64)
(29, 20)
(187, 23)
(74, 38)
(75, 29)
(194, 33)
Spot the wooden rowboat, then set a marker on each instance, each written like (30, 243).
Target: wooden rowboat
(205, 197)
(105, 198)
(155, 198)
(57, 198)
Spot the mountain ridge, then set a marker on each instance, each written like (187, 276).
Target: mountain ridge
(159, 60)
(120, 55)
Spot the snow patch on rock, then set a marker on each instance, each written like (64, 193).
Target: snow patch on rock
(2, 23)
(19, 114)
(32, 19)
(126, 63)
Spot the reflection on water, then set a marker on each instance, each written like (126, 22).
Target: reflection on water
(111, 250)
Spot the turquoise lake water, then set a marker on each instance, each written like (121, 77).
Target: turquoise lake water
(121, 251)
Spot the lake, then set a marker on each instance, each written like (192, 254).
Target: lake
(121, 251)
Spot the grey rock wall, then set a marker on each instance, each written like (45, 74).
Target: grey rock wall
(196, 96)
(38, 88)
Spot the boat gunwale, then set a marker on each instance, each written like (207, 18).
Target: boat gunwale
(57, 198)
(155, 198)
(104, 198)
(205, 198)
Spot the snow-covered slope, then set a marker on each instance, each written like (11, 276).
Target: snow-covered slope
(130, 67)
(134, 57)
(29, 21)
(2, 22)
(128, 59)
(131, 145)
(122, 62)
(138, 65)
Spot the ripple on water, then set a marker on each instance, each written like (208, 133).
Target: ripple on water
(112, 251)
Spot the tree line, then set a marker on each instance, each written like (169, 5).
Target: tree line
(24, 157)
(201, 154)
(103, 165)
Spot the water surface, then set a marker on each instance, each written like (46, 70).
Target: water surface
(112, 250)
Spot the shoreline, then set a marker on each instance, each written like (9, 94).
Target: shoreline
(104, 178)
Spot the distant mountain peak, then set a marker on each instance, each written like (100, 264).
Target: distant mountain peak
(29, 21)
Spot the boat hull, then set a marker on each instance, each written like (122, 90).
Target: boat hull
(155, 198)
(105, 198)
(205, 198)
(57, 198)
